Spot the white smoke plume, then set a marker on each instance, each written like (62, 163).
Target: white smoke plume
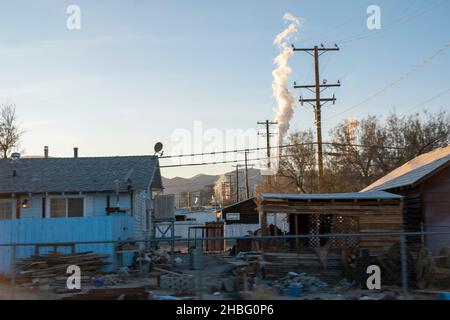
(284, 98)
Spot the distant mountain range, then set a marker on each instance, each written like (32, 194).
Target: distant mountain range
(200, 181)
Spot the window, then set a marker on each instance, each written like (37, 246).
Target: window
(75, 207)
(58, 208)
(6, 210)
(66, 207)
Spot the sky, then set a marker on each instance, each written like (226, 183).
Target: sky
(138, 72)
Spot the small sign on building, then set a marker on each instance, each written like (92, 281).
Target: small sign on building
(233, 216)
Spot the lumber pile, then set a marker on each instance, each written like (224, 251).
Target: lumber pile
(52, 267)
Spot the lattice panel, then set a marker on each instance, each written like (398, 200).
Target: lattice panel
(325, 224)
(345, 224)
(314, 228)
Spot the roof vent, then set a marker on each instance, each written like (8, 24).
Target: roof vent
(15, 155)
(75, 152)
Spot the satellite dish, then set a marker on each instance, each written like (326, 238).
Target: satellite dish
(15, 156)
(158, 147)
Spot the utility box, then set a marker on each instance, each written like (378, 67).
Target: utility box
(165, 207)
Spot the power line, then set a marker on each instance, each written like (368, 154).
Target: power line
(395, 82)
(400, 20)
(274, 147)
(430, 99)
(335, 154)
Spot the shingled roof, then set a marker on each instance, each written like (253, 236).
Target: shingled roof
(414, 171)
(36, 175)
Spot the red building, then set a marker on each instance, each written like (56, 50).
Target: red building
(425, 184)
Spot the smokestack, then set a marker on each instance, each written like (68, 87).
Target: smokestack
(46, 152)
(75, 152)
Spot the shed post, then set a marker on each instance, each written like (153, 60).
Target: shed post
(264, 223)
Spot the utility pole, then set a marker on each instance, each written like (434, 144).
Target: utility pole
(316, 102)
(267, 124)
(230, 184)
(237, 181)
(247, 189)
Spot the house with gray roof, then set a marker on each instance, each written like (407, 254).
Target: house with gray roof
(75, 187)
(63, 200)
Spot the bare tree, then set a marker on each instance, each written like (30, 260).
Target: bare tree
(361, 152)
(364, 150)
(414, 135)
(10, 132)
(299, 163)
(354, 150)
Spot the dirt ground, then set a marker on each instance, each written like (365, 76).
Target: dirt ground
(217, 282)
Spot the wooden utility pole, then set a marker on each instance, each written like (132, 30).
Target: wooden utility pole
(237, 181)
(268, 134)
(247, 189)
(230, 185)
(316, 102)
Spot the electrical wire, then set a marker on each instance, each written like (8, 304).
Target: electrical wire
(412, 71)
(273, 147)
(430, 99)
(431, 5)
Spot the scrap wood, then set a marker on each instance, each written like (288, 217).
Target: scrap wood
(54, 264)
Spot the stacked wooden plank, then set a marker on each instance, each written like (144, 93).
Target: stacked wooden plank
(52, 267)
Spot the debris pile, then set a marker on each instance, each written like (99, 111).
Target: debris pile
(51, 268)
(306, 281)
(108, 280)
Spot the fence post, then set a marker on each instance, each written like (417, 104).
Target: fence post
(404, 263)
(198, 261)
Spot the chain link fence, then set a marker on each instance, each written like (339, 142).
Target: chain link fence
(277, 266)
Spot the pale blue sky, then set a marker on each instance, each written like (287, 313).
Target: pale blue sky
(138, 70)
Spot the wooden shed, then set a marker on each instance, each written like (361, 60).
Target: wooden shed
(243, 212)
(357, 212)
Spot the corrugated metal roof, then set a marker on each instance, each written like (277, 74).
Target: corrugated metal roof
(38, 175)
(331, 196)
(412, 171)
